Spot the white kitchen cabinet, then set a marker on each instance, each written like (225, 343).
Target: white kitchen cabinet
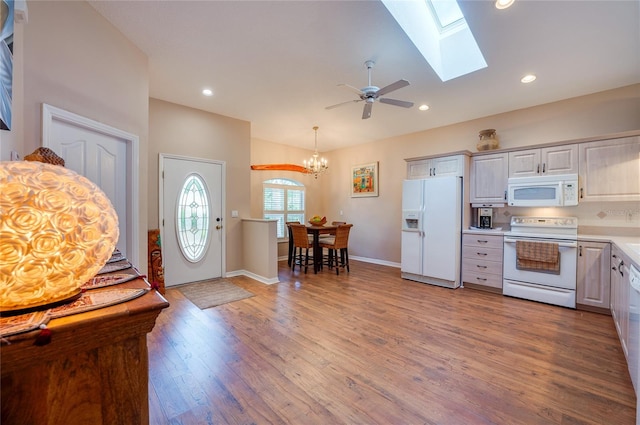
(593, 287)
(482, 261)
(544, 161)
(489, 179)
(620, 287)
(610, 170)
(453, 165)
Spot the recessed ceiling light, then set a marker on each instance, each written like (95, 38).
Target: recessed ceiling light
(528, 78)
(207, 92)
(503, 4)
(423, 107)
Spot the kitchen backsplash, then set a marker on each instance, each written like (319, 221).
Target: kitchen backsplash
(590, 214)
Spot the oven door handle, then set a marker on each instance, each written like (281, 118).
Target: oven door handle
(560, 244)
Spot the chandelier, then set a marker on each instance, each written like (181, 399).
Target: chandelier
(315, 165)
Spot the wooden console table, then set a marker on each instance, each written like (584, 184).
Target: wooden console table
(94, 371)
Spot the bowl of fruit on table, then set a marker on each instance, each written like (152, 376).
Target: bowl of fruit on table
(316, 220)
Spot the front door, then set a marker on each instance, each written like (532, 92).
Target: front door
(191, 219)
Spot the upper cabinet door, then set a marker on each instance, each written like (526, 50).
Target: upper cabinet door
(489, 179)
(524, 163)
(453, 165)
(559, 160)
(610, 170)
(448, 166)
(419, 169)
(544, 161)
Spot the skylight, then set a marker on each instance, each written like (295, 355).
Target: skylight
(440, 32)
(445, 13)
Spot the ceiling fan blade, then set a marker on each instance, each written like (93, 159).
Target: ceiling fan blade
(343, 103)
(393, 86)
(366, 112)
(396, 102)
(353, 89)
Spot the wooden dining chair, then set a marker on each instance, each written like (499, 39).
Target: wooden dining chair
(339, 245)
(330, 237)
(300, 242)
(290, 252)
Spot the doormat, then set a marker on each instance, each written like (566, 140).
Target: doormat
(210, 293)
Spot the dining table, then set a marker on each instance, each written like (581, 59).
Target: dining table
(315, 231)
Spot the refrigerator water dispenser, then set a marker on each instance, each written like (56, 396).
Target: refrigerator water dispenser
(411, 220)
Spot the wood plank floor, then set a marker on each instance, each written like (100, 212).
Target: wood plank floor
(371, 348)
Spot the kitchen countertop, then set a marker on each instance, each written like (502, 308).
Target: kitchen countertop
(625, 238)
(625, 243)
(497, 231)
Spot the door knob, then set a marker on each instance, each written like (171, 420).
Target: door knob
(218, 227)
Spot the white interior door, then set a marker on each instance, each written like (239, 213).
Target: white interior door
(191, 194)
(104, 155)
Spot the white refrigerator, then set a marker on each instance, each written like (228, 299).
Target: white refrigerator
(432, 230)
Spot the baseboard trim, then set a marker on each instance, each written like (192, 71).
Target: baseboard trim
(375, 261)
(261, 279)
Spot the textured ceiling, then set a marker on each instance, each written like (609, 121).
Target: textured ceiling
(278, 64)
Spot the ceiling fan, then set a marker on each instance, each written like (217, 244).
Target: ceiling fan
(372, 93)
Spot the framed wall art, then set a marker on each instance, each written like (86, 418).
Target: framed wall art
(364, 180)
(6, 62)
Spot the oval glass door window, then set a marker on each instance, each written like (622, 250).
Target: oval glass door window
(193, 216)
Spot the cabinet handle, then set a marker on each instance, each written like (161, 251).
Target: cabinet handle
(581, 193)
(434, 171)
(481, 253)
(538, 171)
(481, 267)
(580, 251)
(480, 241)
(544, 166)
(481, 278)
(505, 195)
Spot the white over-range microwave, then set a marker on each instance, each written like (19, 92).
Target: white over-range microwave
(543, 191)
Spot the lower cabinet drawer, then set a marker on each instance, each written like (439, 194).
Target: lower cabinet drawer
(492, 280)
(484, 241)
(473, 265)
(481, 253)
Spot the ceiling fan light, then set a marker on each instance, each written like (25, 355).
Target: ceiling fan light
(370, 94)
(207, 92)
(424, 107)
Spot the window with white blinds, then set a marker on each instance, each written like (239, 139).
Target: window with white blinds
(283, 200)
